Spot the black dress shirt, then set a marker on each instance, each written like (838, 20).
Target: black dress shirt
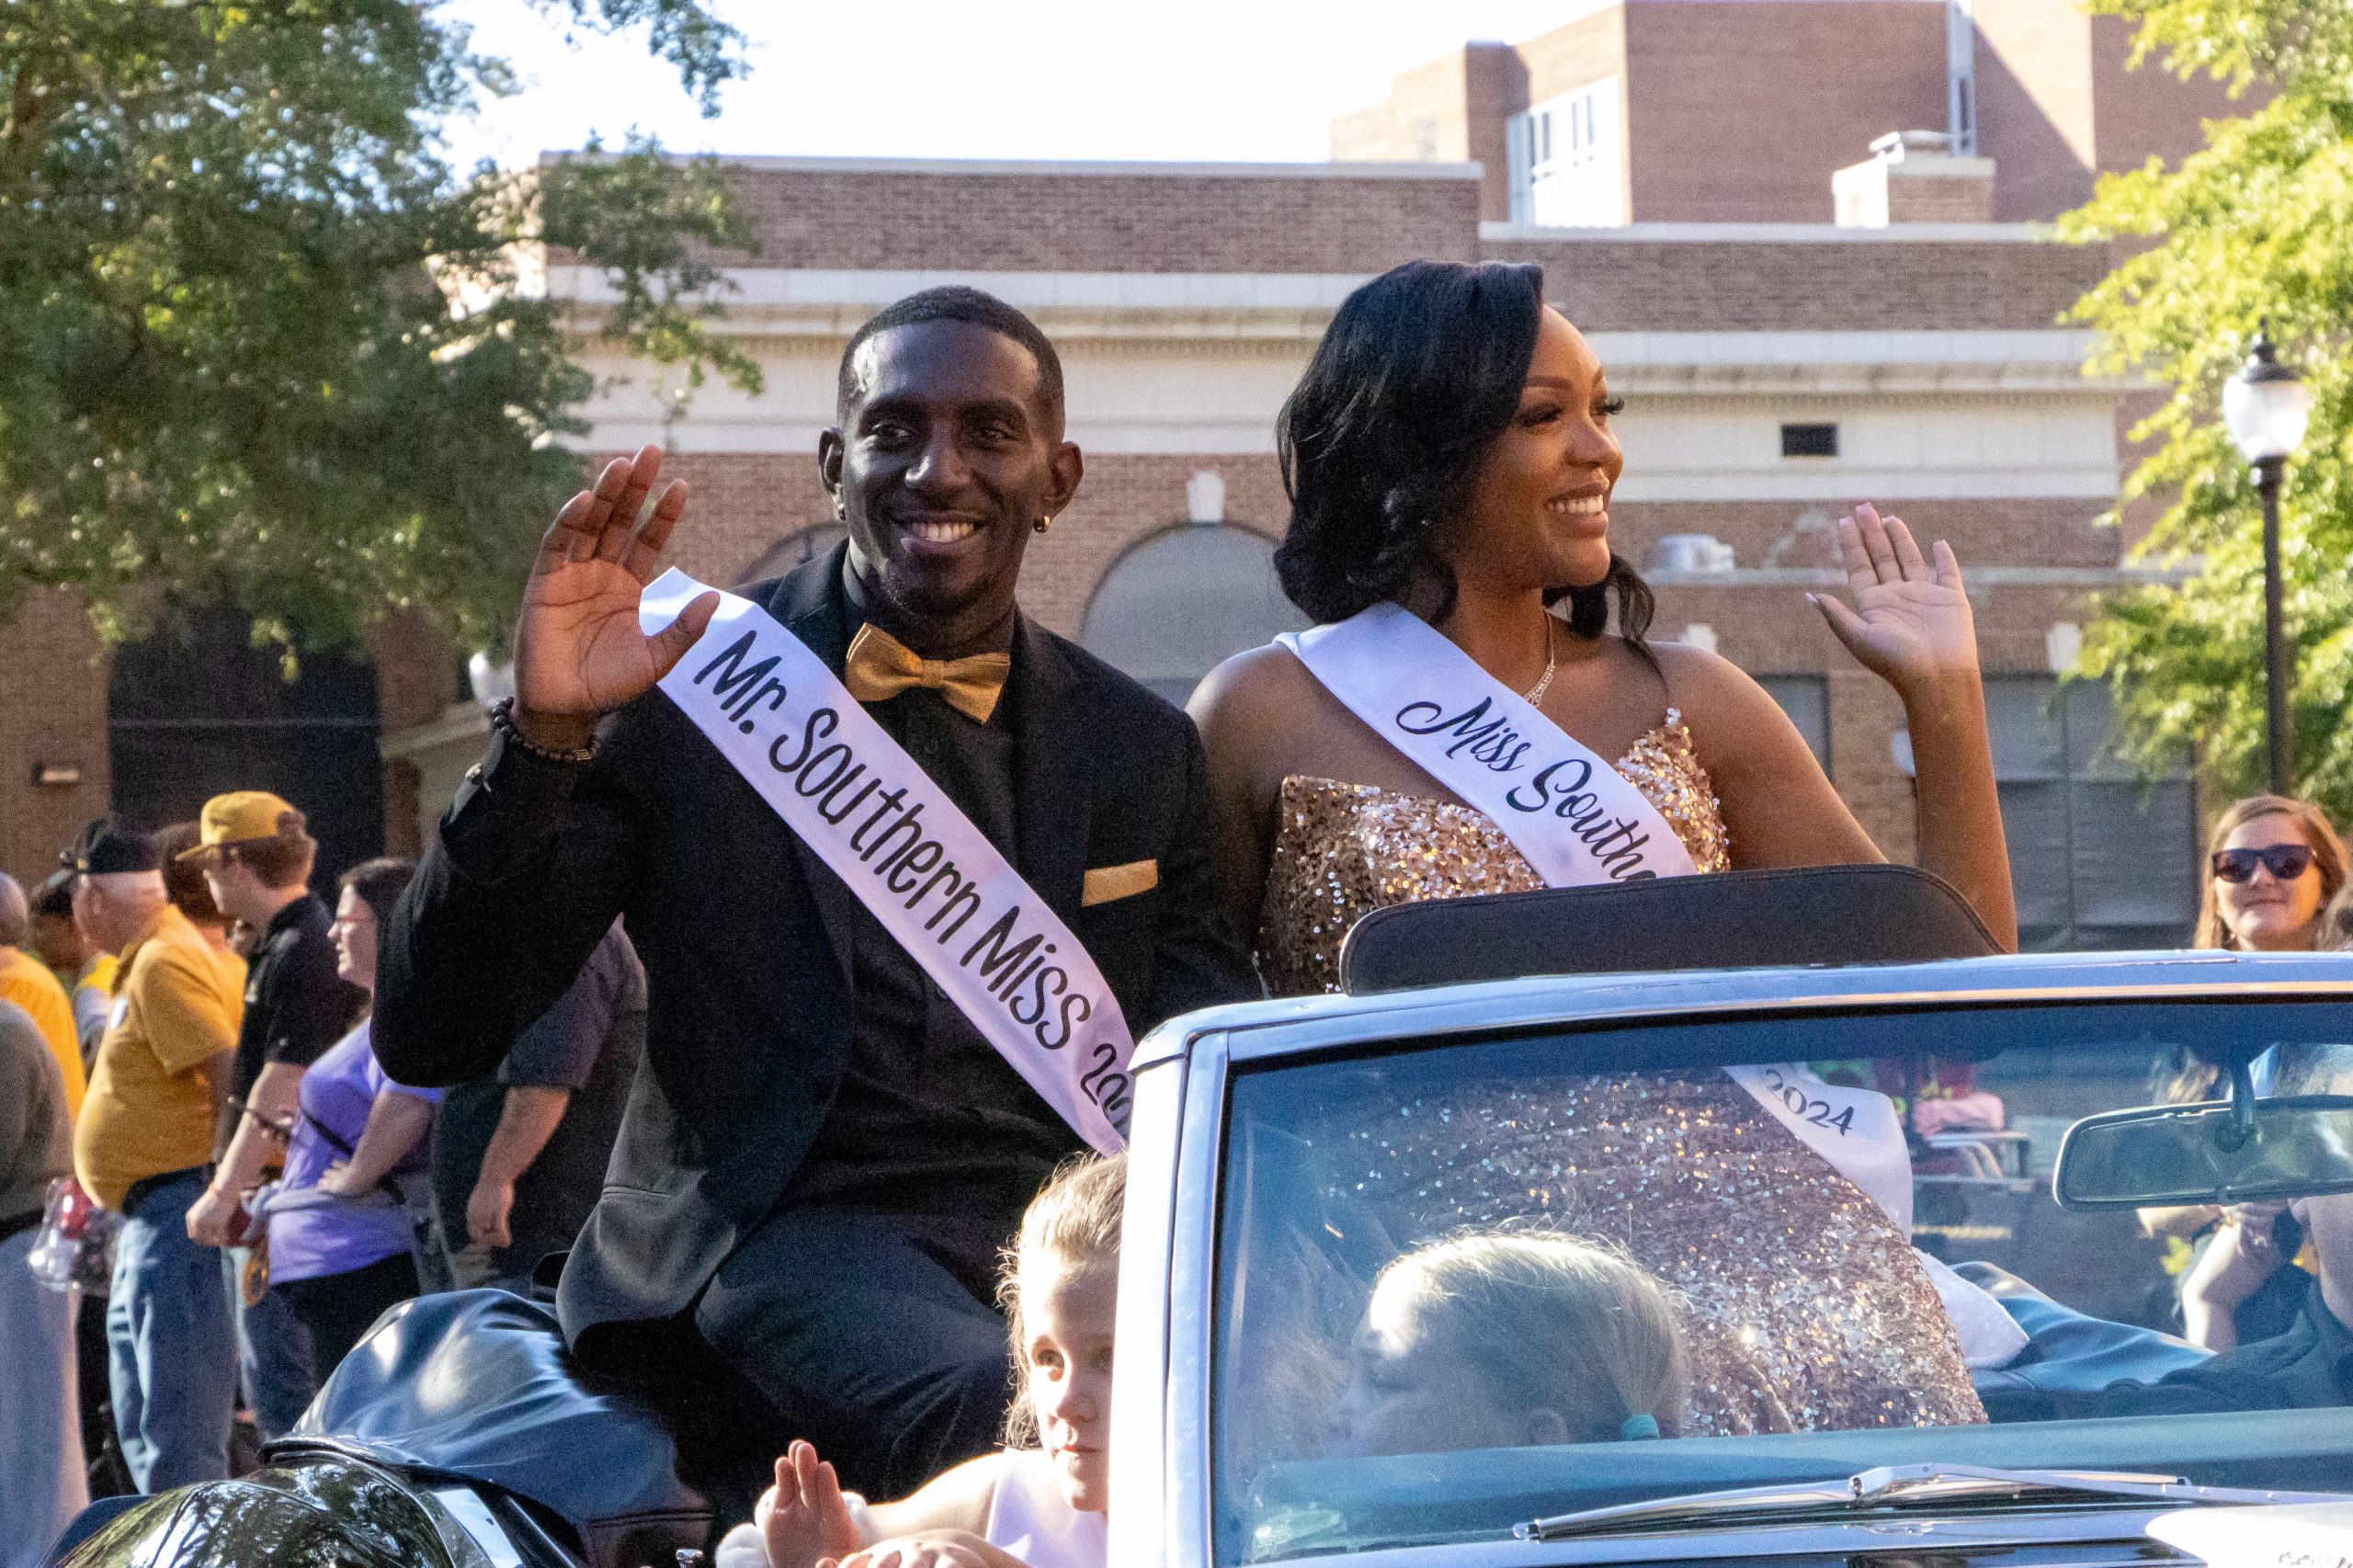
(930, 1124)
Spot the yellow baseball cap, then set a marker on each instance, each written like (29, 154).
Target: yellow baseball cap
(241, 817)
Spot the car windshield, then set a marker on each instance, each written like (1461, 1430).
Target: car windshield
(1465, 1283)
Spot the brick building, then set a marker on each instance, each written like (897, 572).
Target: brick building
(1797, 319)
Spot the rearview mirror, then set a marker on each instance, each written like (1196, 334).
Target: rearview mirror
(2193, 1154)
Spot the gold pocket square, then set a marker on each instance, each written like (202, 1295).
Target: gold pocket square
(1105, 883)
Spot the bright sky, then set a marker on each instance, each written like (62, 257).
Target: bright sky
(1208, 80)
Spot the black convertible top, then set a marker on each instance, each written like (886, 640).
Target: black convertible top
(1815, 914)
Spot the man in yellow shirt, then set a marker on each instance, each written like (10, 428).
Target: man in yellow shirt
(25, 981)
(144, 1146)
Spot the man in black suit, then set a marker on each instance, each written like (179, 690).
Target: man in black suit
(822, 1155)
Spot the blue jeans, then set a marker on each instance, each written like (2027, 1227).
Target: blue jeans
(273, 1353)
(41, 1484)
(172, 1352)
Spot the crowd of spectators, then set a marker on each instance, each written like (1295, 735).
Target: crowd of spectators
(185, 1050)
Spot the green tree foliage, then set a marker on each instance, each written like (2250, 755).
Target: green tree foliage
(261, 342)
(2255, 227)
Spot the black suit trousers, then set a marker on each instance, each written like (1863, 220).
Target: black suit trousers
(857, 1340)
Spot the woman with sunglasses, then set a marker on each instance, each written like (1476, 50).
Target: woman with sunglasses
(2273, 867)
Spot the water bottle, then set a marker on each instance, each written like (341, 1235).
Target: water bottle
(56, 1254)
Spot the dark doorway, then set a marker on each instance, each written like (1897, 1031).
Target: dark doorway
(196, 711)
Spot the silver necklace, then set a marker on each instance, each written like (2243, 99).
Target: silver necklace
(1534, 696)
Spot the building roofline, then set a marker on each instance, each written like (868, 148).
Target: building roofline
(1773, 233)
(1468, 173)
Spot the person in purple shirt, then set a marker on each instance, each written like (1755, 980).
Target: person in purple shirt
(340, 1238)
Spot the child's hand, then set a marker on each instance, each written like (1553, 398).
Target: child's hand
(945, 1549)
(803, 1522)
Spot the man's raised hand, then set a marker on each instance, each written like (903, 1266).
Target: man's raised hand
(578, 652)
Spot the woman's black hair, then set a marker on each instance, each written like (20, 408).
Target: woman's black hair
(379, 883)
(1419, 372)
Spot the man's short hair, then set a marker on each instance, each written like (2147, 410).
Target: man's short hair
(282, 861)
(954, 302)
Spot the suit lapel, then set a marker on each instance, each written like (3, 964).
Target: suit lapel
(808, 602)
(1051, 795)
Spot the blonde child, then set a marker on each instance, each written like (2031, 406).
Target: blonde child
(1511, 1340)
(1039, 1502)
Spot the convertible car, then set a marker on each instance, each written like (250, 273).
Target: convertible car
(1550, 1063)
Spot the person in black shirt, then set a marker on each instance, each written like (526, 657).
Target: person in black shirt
(820, 1158)
(257, 860)
(519, 1155)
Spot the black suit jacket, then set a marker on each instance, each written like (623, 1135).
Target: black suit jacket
(746, 934)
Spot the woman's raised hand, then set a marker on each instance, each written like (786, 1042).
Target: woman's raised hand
(578, 652)
(1911, 622)
(805, 1520)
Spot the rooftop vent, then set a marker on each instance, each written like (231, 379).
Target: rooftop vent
(1692, 553)
(1912, 176)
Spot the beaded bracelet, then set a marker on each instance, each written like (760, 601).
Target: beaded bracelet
(502, 718)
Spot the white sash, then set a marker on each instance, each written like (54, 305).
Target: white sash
(786, 723)
(1573, 815)
(1858, 1134)
(1578, 822)
(1856, 1131)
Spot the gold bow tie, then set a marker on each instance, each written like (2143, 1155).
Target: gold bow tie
(879, 666)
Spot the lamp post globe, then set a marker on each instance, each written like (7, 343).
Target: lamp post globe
(2266, 408)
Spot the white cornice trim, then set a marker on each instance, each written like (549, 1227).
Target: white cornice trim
(2043, 345)
(1466, 172)
(1894, 484)
(1775, 234)
(1107, 311)
(750, 288)
(2078, 577)
(1894, 363)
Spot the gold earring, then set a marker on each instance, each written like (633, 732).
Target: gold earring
(1043, 524)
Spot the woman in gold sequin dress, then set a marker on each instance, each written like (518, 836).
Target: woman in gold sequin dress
(1450, 450)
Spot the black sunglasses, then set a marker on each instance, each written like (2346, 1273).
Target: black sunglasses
(2286, 862)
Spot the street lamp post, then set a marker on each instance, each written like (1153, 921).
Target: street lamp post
(2266, 407)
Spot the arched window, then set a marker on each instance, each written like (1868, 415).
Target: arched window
(791, 551)
(1175, 606)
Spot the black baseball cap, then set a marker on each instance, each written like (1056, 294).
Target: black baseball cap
(108, 845)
